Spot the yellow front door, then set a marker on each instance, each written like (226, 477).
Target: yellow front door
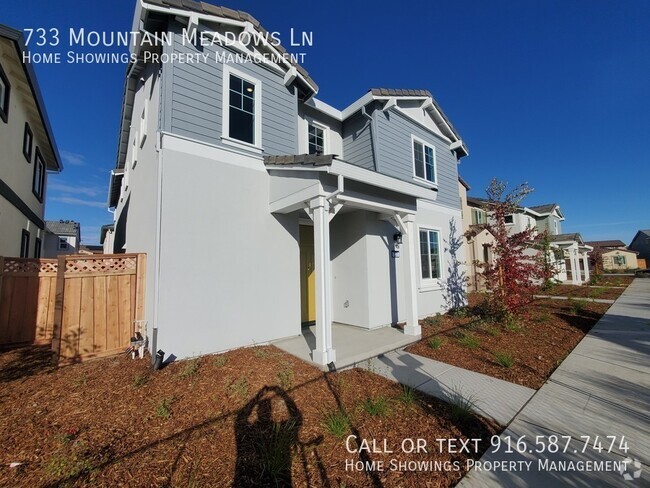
(307, 275)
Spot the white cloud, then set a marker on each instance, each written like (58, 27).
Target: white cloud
(76, 190)
(74, 159)
(79, 201)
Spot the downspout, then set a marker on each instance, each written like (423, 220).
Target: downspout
(373, 135)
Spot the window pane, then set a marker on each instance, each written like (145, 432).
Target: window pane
(424, 255)
(235, 99)
(419, 159)
(235, 84)
(248, 88)
(428, 152)
(316, 140)
(247, 104)
(435, 254)
(241, 126)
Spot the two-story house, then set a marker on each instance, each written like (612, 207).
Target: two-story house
(28, 151)
(478, 238)
(61, 237)
(262, 208)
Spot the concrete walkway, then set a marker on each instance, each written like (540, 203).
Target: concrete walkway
(585, 299)
(493, 398)
(601, 389)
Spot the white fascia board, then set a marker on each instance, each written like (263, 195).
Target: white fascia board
(361, 102)
(373, 178)
(532, 212)
(324, 108)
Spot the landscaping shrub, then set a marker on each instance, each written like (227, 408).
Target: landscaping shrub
(578, 307)
(435, 343)
(164, 408)
(504, 359)
(468, 340)
(337, 423)
(462, 406)
(275, 452)
(377, 406)
(285, 378)
(408, 396)
(220, 361)
(190, 369)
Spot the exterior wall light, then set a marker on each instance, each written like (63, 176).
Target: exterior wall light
(394, 254)
(397, 238)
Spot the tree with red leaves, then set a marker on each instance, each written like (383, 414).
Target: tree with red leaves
(514, 274)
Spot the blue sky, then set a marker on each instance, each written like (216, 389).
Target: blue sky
(555, 93)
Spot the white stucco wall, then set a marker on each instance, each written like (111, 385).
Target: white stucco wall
(229, 277)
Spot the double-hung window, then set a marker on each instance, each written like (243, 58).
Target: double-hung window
(478, 216)
(28, 139)
(37, 248)
(63, 243)
(38, 182)
(430, 259)
(241, 110)
(316, 139)
(424, 161)
(619, 260)
(5, 89)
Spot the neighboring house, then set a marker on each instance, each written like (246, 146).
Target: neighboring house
(641, 244)
(91, 249)
(616, 257)
(479, 240)
(28, 151)
(262, 208)
(106, 239)
(568, 251)
(61, 237)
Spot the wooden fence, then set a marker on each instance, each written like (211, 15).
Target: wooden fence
(87, 306)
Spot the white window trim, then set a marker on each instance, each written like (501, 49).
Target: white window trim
(433, 183)
(225, 108)
(326, 136)
(427, 284)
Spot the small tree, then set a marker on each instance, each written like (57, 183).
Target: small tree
(596, 262)
(546, 259)
(514, 274)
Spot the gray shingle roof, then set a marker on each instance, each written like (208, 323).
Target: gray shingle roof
(225, 12)
(612, 243)
(62, 227)
(566, 237)
(299, 159)
(542, 209)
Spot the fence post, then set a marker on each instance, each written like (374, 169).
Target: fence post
(58, 309)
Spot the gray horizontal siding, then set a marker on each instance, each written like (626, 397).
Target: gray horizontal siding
(395, 154)
(194, 93)
(357, 142)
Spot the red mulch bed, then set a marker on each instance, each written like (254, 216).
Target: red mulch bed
(613, 280)
(114, 422)
(547, 331)
(604, 292)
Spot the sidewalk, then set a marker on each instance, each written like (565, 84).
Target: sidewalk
(601, 389)
(493, 398)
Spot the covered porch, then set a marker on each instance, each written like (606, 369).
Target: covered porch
(576, 256)
(353, 345)
(373, 246)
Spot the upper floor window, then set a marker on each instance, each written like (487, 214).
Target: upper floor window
(5, 88)
(509, 219)
(24, 244)
(63, 243)
(478, 216)
(424, 161)
(242, 123)
(430, 262)
(28, 139)
(316, 140)
(38, 183)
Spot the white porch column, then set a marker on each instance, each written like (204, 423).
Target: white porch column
(324, 353)
(575, 267)
(585, 262)
(411, 252)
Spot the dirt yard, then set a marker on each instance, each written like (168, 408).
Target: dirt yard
(251, 417)
(524, 351)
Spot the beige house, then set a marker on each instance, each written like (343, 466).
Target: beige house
(28, 151)
(479, 240)
(616, 256)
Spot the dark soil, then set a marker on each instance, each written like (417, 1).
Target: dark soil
(250, 417)
(544, 333)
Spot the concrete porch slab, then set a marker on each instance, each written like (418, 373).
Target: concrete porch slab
(353, 345)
